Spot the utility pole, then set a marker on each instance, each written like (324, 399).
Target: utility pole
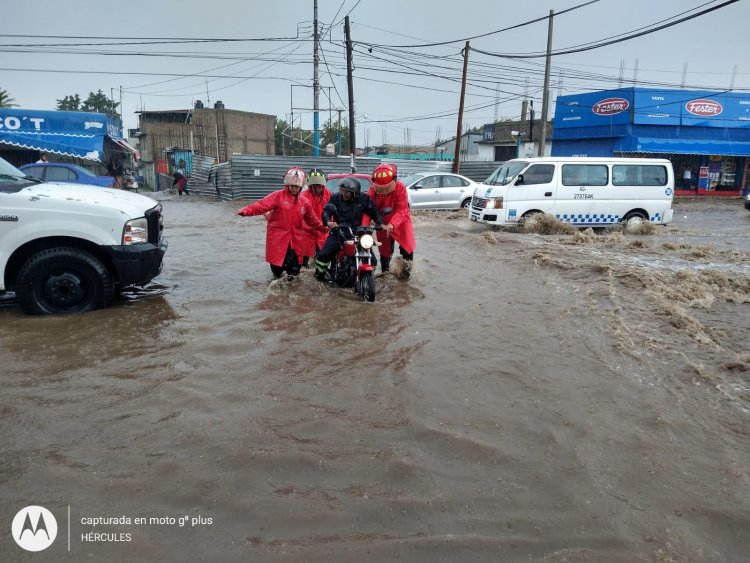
(291, 131)
(545, 96)
(350, 84)
(122, 124)
(338, 152)
(531, 121)
(316, 83)
(457, 151)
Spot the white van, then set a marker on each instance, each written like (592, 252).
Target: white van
(583, 191)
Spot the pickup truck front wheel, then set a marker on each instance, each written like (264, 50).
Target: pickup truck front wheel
(59, 281)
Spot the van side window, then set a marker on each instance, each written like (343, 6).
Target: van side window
(584, 175)
(539, 174)
(638, 175)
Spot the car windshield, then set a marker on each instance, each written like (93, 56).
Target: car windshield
(413, 178)
(505, 174)
(10, 172)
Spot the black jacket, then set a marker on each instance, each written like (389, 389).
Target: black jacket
(351, 212)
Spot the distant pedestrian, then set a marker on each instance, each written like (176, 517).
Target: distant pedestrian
(687, 179)
(180, 179)
(42, 158)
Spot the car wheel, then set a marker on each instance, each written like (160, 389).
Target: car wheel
(465, 203)
(635, 218)
(61, 281)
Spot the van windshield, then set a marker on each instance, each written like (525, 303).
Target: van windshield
(505, 174)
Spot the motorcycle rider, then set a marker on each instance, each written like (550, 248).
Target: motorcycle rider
(351, 206)
(387, 191)
(315, 196)
(284, 230)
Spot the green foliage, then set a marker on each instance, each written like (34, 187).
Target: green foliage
(69, 103)
(96, 102)
(6, 101)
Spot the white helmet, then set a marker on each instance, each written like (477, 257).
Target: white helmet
(295, 177)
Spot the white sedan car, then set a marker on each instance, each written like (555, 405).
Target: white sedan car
(439, 190)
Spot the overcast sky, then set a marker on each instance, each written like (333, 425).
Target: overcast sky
(407, 93)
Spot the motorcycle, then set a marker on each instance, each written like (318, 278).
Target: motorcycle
(354, 264)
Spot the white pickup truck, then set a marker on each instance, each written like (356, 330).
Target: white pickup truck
(66, 248)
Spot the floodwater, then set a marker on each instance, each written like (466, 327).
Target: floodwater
(572, 396)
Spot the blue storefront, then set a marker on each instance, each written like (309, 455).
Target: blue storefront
(706, 134)
(86, 136)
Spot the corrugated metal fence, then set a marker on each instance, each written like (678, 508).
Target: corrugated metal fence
(254, 177)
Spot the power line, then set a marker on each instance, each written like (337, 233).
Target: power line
(611, 42)
(529, 22)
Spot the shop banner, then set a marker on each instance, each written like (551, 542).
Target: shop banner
(610, 107)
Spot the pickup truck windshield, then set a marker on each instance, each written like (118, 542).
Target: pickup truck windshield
(12, 179)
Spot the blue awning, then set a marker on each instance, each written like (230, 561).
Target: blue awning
(70, 133)
(87, 147)
(683, 146)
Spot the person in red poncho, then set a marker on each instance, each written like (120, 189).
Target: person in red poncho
(284, 231)
(388, 191)
(316, 196)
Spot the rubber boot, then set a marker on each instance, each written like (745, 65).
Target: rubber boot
(406, 270)
(385, 263)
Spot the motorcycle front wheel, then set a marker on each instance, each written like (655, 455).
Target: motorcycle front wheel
(366, 287)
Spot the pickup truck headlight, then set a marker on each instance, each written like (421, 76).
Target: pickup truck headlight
(494, 203)
(136, 231)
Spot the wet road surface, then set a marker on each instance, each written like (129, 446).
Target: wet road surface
(572, 396)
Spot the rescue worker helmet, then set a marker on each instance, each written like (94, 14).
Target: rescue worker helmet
(383, 174)
(316, 177)
(295, 177)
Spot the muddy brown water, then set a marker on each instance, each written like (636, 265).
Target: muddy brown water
(546, 397)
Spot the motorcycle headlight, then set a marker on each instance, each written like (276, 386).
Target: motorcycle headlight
(136, 231)
(366, 241)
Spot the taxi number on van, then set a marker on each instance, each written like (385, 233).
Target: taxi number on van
(583, 196)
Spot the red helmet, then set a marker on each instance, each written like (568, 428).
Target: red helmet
(295, 177)
(384, 174)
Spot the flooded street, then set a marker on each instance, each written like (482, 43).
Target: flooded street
(573, 396)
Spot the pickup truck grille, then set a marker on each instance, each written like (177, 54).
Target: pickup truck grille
(155, 221)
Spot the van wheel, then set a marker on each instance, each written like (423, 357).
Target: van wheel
(60, 281)
(635, 218)
(526, 216)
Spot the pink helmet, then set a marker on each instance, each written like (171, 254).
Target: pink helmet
(295, 177)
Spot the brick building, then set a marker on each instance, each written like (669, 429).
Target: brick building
(214, 132)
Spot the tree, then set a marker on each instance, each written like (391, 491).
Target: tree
(330, 135)
(292, 141)
(99, 103)
(6, 101)
(69, 103)
(96, 103)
